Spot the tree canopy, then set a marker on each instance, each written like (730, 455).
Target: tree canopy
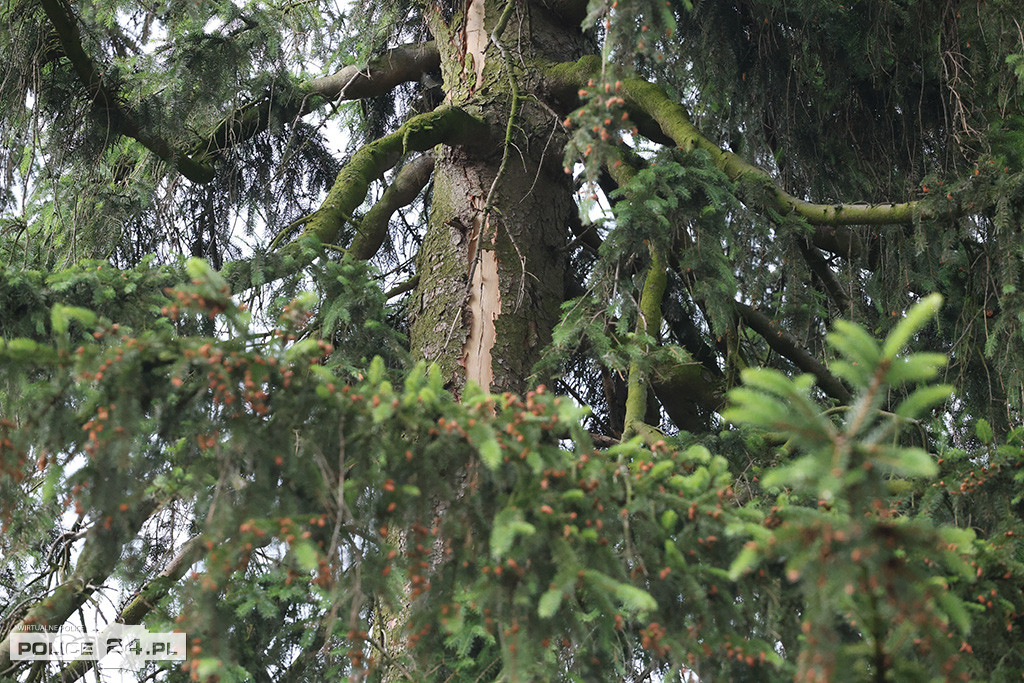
(515, 339)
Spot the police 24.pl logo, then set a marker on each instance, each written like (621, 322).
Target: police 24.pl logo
(133, 644)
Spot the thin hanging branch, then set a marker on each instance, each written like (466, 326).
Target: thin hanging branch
(110, 102)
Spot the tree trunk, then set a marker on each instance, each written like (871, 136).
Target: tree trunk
(493, 259)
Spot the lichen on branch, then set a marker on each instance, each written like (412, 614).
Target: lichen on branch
(662, 119)
(444, 125)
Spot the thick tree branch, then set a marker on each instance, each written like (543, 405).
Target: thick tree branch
(448, 125)
(786, 345)
(99, 558)
(62, 18)
(657, 116)
(407, 185)
(672, 119)
(152, 593)
(649, 323)
(397, 65)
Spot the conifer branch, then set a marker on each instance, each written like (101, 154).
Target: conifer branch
(379, 76)
(661, 119)
(407, 185)
(110, 102)
(787, 346)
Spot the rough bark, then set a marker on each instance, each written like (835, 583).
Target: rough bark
(493, 256)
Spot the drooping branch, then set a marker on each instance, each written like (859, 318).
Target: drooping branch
(448, 125)
(407, 185)
(379, 76)
(819, 266)
(98, 559)
(787, 346)
(110, 102)
(658, 116)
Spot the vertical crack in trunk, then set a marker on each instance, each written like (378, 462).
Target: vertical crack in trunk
(484, 297)
(484, 306)
(476, 38)
(478, 255)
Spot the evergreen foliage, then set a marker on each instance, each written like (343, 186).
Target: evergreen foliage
(768, 329)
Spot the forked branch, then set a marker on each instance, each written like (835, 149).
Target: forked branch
(152, 593)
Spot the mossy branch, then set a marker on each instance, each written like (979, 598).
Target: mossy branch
(682, 388)
(110, 102)
(448, 124)
(377, 77)
(152, 593)
(649, 324)
(661, 119)
(407, 185)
